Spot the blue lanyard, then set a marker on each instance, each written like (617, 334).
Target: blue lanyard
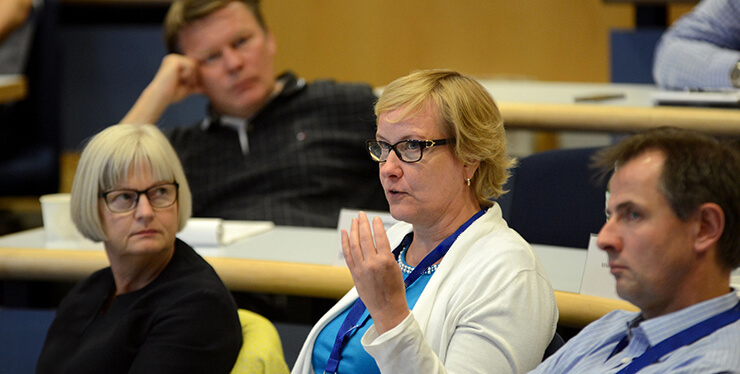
(680, 339)
(350, 323)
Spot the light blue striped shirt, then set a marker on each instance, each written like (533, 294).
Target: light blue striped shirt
(588, 352)
(701, 48)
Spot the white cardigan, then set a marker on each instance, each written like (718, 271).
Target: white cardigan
(489, 308)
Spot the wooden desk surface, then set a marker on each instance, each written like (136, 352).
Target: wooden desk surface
(552, 106)
(12, 88)
(259, 276)
(653, 1)
(555, 117)
(117, 2)
(258, 268)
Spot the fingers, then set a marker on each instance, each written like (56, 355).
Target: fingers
(346, 250)
(354, 242)
(188, 75)
(366, 235)
(363, 243)
(381, 238)
(176, 79)
(374, 271)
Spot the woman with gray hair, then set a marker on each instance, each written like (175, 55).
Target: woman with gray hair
(451, 288)
(159, 307)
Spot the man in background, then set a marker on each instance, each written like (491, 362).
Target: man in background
(17, 26)
(672, 238)
(16, 30)
(702, 49)
(276, 149)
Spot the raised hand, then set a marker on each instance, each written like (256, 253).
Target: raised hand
(375, 272)
(176, 79)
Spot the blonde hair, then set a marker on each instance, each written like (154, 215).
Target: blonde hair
(107, 161)
(467, 113)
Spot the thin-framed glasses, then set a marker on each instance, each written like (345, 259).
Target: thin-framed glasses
(407, 150)
(125, 200)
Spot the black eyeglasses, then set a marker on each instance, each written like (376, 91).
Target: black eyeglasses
(406, 150)
(159, 196)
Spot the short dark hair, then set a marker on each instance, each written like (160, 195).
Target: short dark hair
(185, 12)
(698, 169)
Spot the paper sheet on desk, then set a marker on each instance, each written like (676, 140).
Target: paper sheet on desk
(597, 278)
(215, 232)
(726, 98)
(345, 222)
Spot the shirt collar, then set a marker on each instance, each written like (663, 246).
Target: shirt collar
(657, 329)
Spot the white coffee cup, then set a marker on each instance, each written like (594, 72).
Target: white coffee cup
(55, 212)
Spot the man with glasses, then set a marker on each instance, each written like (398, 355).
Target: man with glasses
(275, 149)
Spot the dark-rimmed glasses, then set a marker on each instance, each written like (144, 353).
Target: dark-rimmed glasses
(125, 200)
(407, 150)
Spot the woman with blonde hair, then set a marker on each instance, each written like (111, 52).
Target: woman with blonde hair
(452, 288)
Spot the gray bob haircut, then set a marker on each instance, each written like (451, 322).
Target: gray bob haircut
(107, 161)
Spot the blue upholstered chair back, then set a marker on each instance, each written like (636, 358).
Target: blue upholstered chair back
(555, 198)
(555, 344)
(22, 334)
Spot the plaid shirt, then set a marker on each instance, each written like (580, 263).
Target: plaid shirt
(303, 161)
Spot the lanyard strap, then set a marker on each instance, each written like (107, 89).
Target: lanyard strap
(680, 339)
(350, 323)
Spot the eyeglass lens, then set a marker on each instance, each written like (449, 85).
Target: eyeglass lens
(160, 196)
(407, 150)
